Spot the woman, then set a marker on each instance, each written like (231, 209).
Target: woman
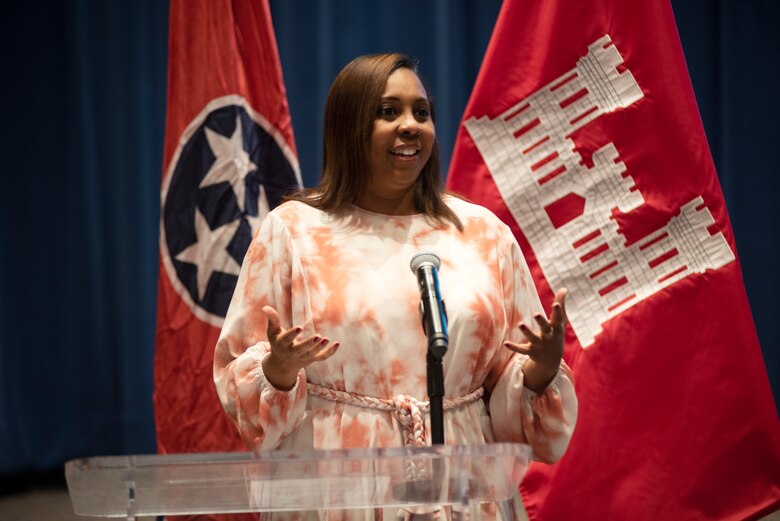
(325, 314)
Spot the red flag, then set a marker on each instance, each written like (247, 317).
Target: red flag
(583, 134)
(229, 157)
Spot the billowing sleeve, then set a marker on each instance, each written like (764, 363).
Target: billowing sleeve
(545, 421)
(263, 414)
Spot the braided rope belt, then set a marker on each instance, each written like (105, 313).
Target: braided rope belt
(406, 409)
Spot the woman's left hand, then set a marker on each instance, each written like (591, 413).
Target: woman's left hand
(544, 349)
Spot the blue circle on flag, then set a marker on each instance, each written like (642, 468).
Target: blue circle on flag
(229, 168)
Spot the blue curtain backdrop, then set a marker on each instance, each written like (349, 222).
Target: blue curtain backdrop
(83, 117)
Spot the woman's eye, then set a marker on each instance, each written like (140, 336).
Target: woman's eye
(386, 111)
(422, 112)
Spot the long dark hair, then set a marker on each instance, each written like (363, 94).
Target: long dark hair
(350, 111)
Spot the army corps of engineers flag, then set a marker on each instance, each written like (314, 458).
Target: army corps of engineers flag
(583, 134)
(229, 157)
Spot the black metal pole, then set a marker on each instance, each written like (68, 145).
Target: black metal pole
(436, 395)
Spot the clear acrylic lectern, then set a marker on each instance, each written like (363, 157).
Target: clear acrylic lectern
(462, 480)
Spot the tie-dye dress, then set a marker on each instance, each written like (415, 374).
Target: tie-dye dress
(347, 277)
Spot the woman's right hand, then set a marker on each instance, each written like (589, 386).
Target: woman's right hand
(289, 354)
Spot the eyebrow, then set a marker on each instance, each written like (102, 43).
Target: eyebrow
(395, 98)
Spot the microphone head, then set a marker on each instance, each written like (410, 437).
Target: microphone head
(422, 258)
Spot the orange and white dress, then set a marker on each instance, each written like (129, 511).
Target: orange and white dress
(346, 277)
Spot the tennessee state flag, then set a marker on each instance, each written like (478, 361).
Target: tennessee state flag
(583, 134)
(229, 157)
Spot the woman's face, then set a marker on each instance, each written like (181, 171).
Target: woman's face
(403, 137)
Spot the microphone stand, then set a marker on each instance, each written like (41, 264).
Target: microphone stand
(436, 394)
(434, 323)
(434, 317)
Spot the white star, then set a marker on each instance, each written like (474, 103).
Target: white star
(232, 163)
(262, 208)
(209, 251)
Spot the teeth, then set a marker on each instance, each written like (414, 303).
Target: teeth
(405, 151)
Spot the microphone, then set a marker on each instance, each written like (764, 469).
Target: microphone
(425, 266)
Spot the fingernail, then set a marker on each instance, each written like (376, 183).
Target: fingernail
(317, 338)
(298, 329)
(324, 341)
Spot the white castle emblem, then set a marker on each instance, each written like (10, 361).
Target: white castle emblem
(535, 165)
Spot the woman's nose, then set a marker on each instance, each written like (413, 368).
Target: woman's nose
(408, 124)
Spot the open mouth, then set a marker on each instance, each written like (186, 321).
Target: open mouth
(405, 151)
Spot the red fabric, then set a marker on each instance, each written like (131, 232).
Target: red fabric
(216, 48)
(676, 417)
